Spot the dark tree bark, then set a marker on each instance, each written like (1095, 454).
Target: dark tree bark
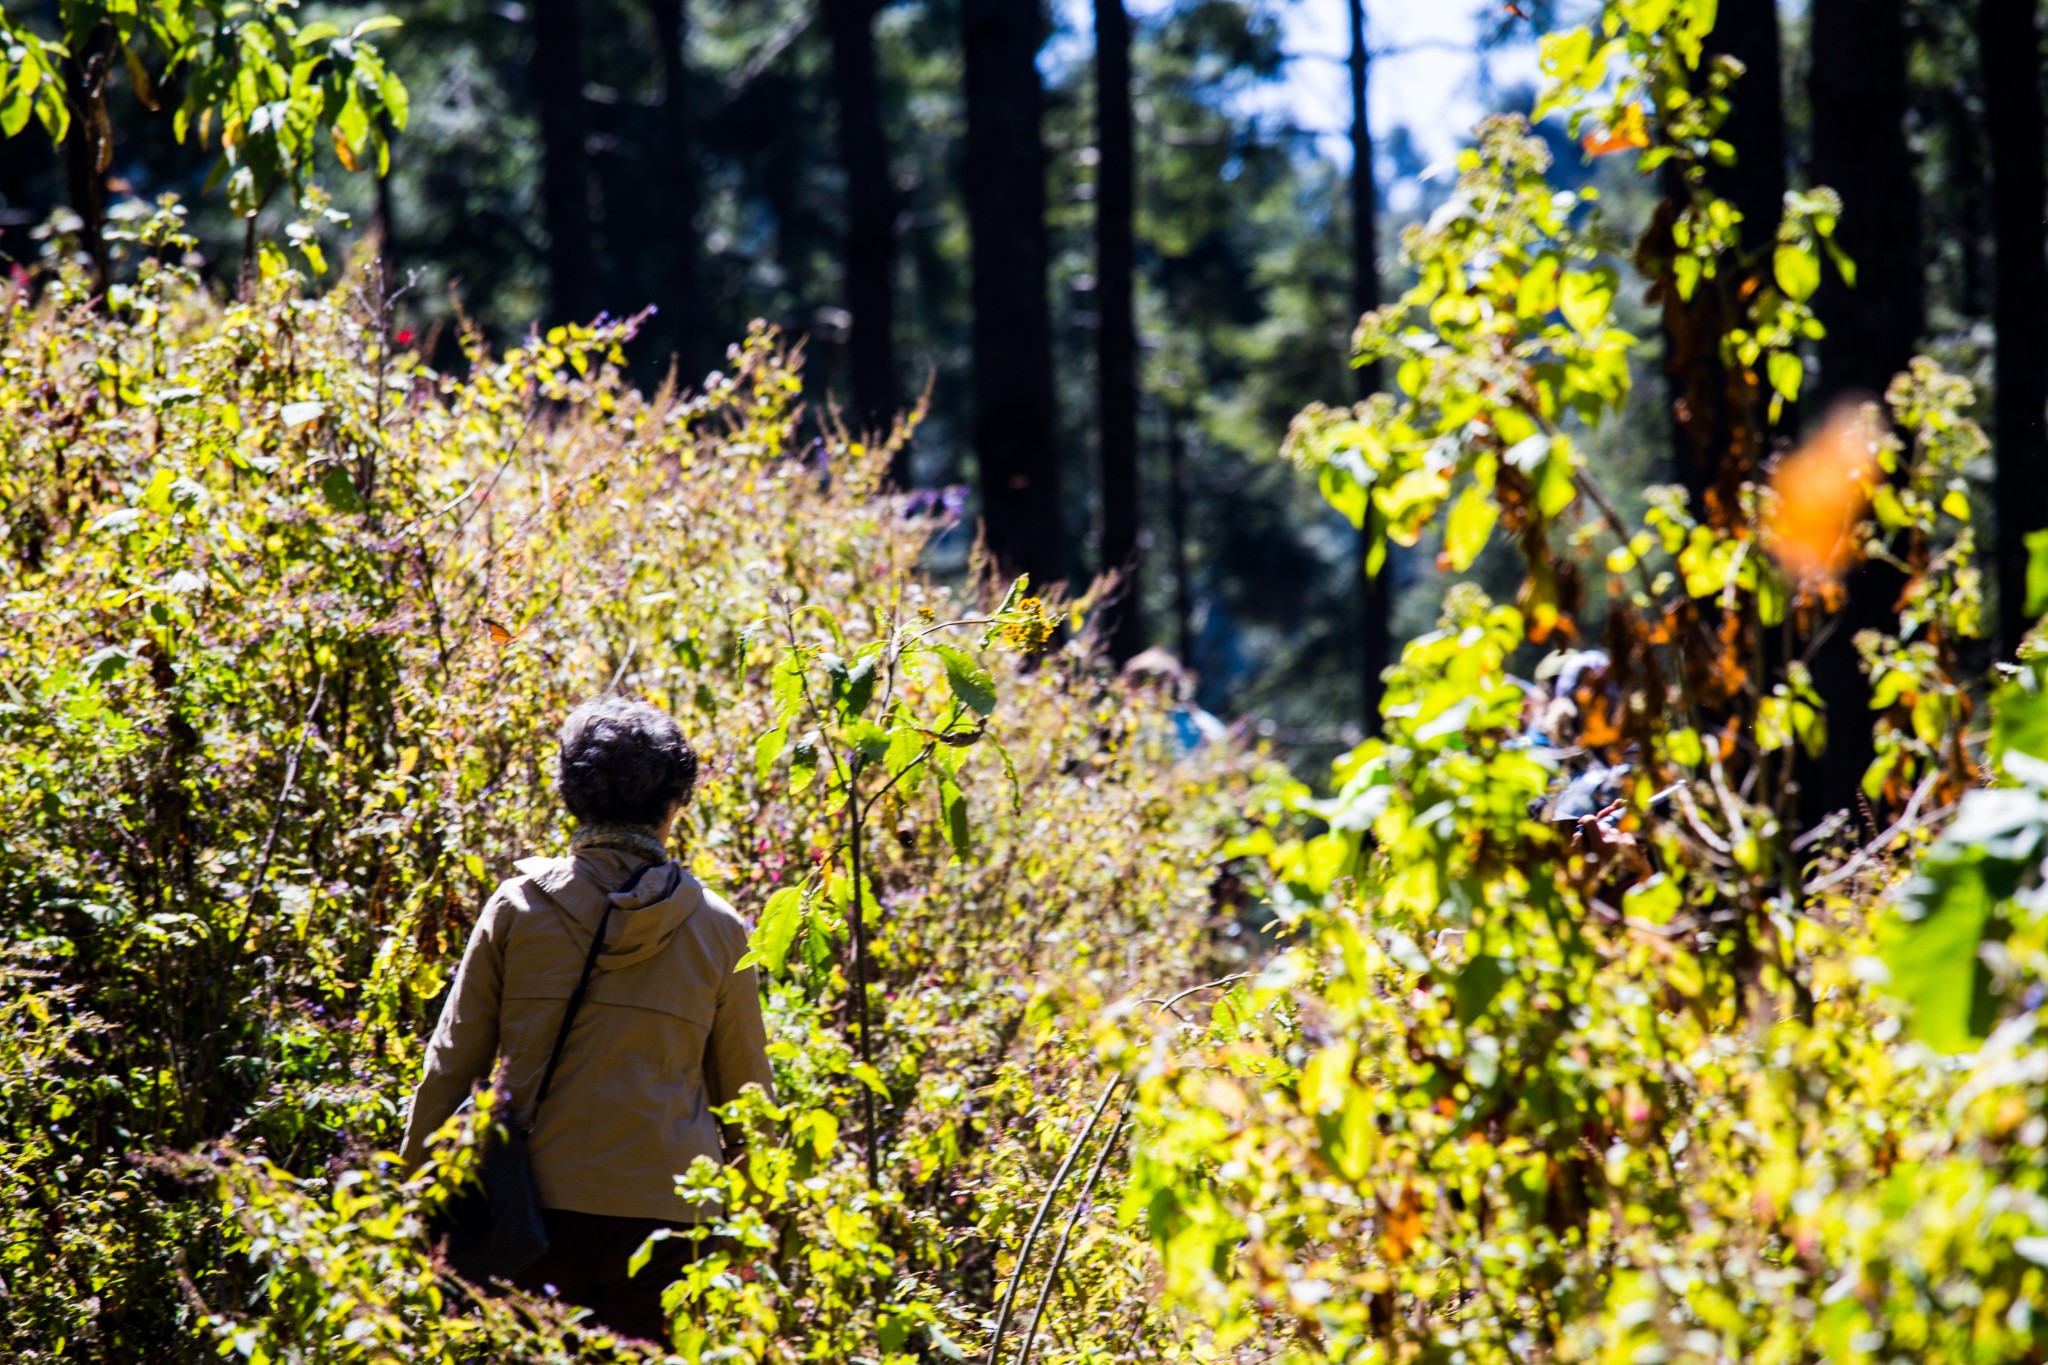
(1375, 590)
(682, 300)
(1857, 89)
(557, 78)
(90, 148)
(1858, 92)
(2009, 39)
(1747, 30)
(1718, 416)
(387, 222)
(1116, 336)
(1014, 428)
(870, 251)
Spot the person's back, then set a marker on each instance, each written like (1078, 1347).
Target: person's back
(666, 1028)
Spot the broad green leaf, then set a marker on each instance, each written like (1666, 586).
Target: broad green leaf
(1584, 296)
(644, 1253)
(969, 680)
(1934, 964)
(1343, 491)
(1786, 374)
(780, 919)
(1797, 271)
(955, 805)
(2037, 572)
(1479, 982)
(857, 688)
(1536, 296)
(2019, 721)
(870, 740)
(1654, 901)
(904, 756)
(339, 489)
(1469, 524)
(767, 749)
(804, 757)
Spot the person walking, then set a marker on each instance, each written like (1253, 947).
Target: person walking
(666, 1028)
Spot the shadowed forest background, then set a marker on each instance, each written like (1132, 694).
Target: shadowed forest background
(1608, 922)
(1116, 269)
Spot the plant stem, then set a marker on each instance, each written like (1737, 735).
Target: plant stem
(1059, 1178)
(860, 966)
(1059, 1252)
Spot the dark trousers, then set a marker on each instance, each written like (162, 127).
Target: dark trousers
(585, 1264)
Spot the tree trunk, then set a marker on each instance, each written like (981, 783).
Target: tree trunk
(870, 251)
(1116, 335)
(1719, 418)
(1375, 589)
(557, 78)
(1857, 89)
(2009, 40)
(90, 147)
(1858, 92)
(387, 222)
(1014, 430)
(682, 301)
(1747, 30)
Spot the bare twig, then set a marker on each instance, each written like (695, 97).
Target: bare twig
(1905, 824)
(1059, 1252)
(1168, 1004)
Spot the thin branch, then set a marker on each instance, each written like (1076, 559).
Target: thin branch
(995, 1344)
(1059, 1252)
(1905, 824)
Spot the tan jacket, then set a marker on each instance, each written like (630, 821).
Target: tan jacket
(666, 1030)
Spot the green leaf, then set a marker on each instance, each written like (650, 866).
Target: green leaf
(637, 1262)
(1584, 296)
(1654, 901)
(787, 685)
(804, 756)
(1556, 488)
(2037, 572)
(1934, 964)
(1536, 295)
(955, 805)
(1470, 523)
(1797, 271)
(1342, 490)
(767, 749)
(339, 489)
(780, 919)
(969, 680)
(2019, 721)
(858, 688)
(1478, 983)
(869, 739)
(907, 747)
(1786, 374)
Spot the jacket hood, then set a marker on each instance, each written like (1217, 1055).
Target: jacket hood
(646, 910)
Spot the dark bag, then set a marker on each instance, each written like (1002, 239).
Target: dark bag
(494, 1228)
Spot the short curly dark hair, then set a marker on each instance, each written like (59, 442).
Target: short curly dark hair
(624, 763)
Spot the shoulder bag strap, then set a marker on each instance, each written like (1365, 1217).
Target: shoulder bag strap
(547, 1077)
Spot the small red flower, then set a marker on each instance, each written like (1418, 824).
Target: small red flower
(403, 337)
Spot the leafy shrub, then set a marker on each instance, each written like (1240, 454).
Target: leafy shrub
(1498, 1102)
(290, 620)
